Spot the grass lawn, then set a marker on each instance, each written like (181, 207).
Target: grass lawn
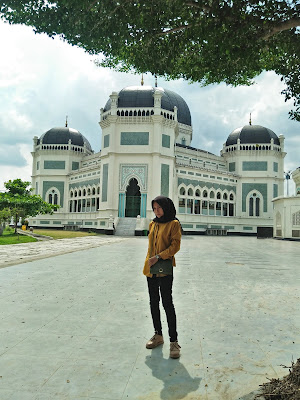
(14, 238)
(60, 234)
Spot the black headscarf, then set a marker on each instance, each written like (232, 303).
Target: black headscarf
(169, 209)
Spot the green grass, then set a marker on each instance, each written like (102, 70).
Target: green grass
(9, 237)
(14, 238)
(60, 234)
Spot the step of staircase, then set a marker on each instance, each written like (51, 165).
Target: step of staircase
(126, 227)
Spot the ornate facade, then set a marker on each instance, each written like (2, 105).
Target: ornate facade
(146, 151)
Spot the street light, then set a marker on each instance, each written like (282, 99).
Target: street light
(287, 176)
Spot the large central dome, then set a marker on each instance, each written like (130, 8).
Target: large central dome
(142, 96)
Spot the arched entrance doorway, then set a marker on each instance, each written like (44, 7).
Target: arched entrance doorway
(133, 199)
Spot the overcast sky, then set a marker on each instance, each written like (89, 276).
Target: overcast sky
(42, 80)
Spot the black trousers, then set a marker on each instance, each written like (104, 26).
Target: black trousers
(162, 286)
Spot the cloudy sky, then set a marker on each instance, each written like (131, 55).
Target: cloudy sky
(42, 80)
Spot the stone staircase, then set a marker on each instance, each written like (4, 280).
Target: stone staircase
(126, 227)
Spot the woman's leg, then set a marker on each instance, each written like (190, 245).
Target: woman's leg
(153, 288)
(166, 284)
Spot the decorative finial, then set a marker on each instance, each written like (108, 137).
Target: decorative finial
(155, 81)
(66, 121)
(250, 123)
(142, 81)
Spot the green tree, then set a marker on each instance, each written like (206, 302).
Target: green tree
(21, 203)
(5, 215)
(206, 41)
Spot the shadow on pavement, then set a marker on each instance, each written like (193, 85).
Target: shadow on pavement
(177, 381)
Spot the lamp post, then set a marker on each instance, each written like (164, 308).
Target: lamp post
(287, 176)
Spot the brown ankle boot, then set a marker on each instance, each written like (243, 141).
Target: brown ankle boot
(174, 350)
(155, 341)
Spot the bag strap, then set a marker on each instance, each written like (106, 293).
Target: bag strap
(151, 241)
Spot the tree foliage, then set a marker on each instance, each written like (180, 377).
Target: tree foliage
(206, 41)
(5, 215)
(21, 203)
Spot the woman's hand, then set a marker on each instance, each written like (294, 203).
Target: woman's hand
(153, 260)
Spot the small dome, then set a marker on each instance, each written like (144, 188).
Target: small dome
(63, 135)
(255, 134)
(142, 96)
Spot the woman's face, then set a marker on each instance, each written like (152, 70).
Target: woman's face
(158, 211)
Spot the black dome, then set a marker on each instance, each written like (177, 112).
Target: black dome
(142, 96)
(252, 134)
(63, 135)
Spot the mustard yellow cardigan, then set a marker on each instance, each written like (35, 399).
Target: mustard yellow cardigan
(164, 240)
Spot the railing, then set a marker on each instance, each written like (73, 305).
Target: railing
(65, 147)
(253, 147)
(143, 112)
(201, 165)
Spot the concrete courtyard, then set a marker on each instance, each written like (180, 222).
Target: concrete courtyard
(75, 319)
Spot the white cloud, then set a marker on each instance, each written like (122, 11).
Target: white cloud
(18, 165)
(12, 120)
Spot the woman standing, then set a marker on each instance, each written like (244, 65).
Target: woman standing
(164, 242)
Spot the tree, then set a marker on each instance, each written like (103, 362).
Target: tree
(21, 203)
(206, 41)
(5, 215)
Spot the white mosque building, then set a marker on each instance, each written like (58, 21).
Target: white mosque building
(146, 151)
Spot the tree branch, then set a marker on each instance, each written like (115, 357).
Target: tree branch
(283, 26)
(179, 28)
(92, 5)
(196, 4)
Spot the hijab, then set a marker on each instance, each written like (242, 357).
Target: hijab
(168, 207)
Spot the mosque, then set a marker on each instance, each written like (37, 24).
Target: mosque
(146, 151)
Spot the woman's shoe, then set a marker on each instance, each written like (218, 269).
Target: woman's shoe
(174, 350)
(155, 341)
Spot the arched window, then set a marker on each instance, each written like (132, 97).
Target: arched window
(190, 192)
(204, 193)
(181, 205)
(198, 193)
(52, 196)
(254, 205)
(211, 195)
(182, 191)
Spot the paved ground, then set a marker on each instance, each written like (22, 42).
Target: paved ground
(24, 252)
(74, 326)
